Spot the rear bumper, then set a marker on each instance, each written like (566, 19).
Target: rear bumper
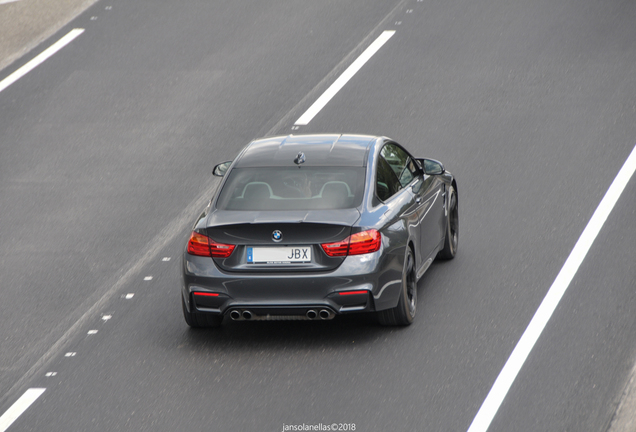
(361, 283)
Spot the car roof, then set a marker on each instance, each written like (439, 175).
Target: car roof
(319, 150)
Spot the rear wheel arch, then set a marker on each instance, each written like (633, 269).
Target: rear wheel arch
(411, 245)
(451, 233)
(404, 312)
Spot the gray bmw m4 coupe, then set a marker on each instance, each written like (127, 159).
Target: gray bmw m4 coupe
(308, 227)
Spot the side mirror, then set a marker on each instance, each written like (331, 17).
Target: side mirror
(432, 166)
(221, 168)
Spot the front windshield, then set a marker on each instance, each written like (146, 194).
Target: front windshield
(292, 188)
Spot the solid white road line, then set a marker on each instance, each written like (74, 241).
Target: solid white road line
(19, 407)
(344, 78)
(40, 58)
(509, 373)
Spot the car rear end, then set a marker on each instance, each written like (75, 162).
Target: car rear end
(308, 278)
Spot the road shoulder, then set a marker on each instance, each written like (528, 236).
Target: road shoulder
(27, 23)
(625, 417)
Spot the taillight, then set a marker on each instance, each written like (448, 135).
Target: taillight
(198, 245)
(336, 249)
(220, 250)
(202, 245)
(365, 242)
(356, 244)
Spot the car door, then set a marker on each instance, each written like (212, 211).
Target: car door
(432, 196)
(408, 177)
(429, 196)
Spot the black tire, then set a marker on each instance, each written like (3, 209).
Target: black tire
(404, 313)
(451, 237)
(200, 320)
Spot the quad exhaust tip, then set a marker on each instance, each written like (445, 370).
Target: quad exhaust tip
(311, 314)
(324, 314)
(237, 315)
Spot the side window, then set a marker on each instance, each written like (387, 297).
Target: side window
(400, 162)
(387, 183)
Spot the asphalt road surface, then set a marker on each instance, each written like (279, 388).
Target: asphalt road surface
(106, 150)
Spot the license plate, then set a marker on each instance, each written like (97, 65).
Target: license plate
(278, 255)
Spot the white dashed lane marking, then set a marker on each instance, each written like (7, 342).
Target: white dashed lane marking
(20, 406)
(40, 58)
(511, 369)
(344, 78)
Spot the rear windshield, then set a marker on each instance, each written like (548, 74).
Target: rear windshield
(292, 188)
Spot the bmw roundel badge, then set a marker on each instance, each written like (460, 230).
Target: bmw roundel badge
(300, 158)
(277, 236)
